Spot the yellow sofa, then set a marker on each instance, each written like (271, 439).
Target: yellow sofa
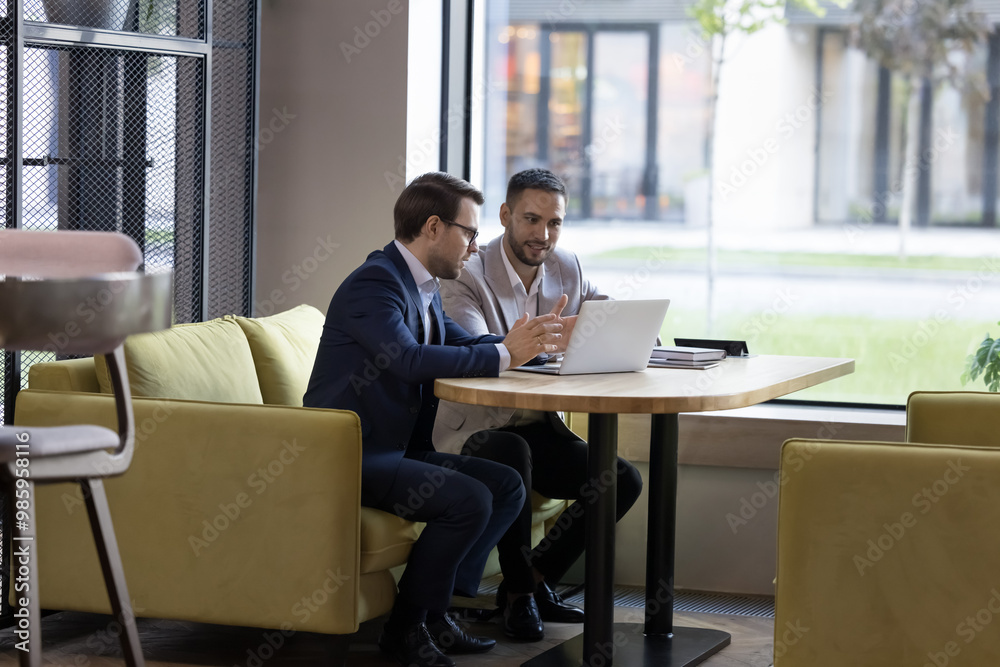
(241, 507)
(887, 551)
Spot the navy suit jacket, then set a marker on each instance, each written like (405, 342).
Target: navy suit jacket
(372, 360)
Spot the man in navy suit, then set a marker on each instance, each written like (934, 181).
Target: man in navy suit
(385, 340)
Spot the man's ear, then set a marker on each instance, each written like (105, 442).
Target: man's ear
(505, 214)
(432, 227)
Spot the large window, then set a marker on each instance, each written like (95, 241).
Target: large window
(136, 117)
(807, 165)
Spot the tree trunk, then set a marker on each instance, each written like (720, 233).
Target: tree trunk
(911, 166)
(710, 265)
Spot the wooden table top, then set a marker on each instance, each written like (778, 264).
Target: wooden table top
(734, 383)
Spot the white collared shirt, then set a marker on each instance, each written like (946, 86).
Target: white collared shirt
(428, 286)
(527, 300)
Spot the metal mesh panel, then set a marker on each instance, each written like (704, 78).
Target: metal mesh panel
(8, 386)
(112, 142)
(232, 146)
(183, 18)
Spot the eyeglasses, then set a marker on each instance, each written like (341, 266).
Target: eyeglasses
(472, 231)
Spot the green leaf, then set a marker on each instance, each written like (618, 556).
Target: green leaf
(994, 348)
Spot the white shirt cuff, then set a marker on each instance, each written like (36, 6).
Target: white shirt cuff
(504, 356)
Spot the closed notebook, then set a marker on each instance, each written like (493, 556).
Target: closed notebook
(683, 363)
(679, 352)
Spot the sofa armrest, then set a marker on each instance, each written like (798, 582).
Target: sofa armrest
(64, 375)
(233, 514)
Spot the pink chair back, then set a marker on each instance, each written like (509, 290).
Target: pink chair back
(66, 254)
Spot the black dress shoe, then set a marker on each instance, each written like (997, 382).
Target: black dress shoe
(450, 638)
(521, 619)
(553, 609)
(413, 647)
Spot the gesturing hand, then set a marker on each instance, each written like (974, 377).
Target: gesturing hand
(567, 323)
(529, 338)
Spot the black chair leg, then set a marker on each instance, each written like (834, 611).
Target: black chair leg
(24, 571)
(114, 573)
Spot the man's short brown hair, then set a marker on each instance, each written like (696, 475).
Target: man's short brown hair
(534, 179)
(433, 193)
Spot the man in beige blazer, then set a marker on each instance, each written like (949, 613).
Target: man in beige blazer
(521, 272)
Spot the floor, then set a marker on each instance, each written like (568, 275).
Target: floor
(87, 640)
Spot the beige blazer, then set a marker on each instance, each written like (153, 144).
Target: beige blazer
(482, 300)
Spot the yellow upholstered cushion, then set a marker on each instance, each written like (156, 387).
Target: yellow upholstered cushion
(284, 349)
(386, 539)
(65, 375)
(207, 361)
(954, 418)
(886, 555)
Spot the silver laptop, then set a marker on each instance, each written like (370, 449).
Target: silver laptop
(610, 337)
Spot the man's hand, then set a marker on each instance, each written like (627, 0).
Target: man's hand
(529, 338)
(567, 323)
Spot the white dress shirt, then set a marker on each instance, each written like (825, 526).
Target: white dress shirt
(527, 300)
(428, 286)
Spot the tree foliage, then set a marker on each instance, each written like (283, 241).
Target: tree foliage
(725, 17)
(919, 38)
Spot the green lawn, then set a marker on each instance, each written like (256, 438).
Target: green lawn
(746, 258)
(893, 357)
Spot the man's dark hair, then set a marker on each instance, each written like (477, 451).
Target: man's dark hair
(433, 193)
(534, 179)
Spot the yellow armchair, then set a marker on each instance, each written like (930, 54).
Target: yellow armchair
(887, 552)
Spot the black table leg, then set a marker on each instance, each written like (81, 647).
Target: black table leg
(666, 645)
(661, 526)
(599, 575)
(656, 642)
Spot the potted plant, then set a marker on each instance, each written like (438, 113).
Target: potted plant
(984, 361)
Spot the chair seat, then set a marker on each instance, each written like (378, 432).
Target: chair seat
(56, 440)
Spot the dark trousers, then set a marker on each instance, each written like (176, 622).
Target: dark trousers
(554, 464)
(467, 504)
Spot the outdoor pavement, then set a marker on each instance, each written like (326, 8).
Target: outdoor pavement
(912, 294)
(592, 237)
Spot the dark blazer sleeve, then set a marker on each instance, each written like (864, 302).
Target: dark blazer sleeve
(374, 317)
